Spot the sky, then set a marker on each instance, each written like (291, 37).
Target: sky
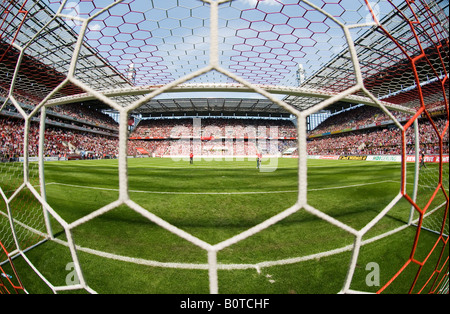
(165, 40)
(261, 41)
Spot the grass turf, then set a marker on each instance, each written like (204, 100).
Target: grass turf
(216, 200)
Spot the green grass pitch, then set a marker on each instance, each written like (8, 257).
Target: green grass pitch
(216, 200)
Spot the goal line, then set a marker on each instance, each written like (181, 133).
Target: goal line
(220, 266)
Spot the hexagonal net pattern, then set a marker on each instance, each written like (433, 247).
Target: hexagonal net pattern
(302, 56)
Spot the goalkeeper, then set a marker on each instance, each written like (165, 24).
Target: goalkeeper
(422, 159)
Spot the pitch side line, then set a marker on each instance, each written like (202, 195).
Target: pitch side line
(221, 193)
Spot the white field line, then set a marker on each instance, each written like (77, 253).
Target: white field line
(256, 266)
(221, 193)
(214, 167)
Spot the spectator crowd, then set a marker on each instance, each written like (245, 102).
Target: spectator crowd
(360, 131)
(58, 141)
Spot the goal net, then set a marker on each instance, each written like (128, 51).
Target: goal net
(428, 193)
(60, 59)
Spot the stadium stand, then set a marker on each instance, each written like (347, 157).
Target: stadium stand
(70, 130)
(362, 130)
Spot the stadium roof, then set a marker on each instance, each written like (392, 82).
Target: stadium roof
(257, 45)
(211, 106)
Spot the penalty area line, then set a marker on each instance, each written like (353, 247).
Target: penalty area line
(220, 193)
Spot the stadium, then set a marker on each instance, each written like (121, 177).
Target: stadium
(224, 147)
